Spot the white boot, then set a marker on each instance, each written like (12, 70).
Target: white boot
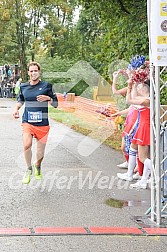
(142, 184)
(128, 176)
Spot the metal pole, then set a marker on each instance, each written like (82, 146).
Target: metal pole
(157, 145)
(152, 142)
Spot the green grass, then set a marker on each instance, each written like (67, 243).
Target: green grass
(115, 203)
(86, 127)
(70, 119)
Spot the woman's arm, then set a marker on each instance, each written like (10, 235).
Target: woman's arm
(139, 100)
(122, 112)
(115, 91)
(136, 100)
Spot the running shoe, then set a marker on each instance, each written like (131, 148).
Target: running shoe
(137, 176)
(139, 185)
(123, 165)
(38, 172)
(124, 176)
(27, 176)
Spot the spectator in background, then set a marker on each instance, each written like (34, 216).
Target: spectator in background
(0, 90)
(6, 69)
(9, 73)
(17, 86)
(3, 85)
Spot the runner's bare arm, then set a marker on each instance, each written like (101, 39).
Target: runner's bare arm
(16, 111)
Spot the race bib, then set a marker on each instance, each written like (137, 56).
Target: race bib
(34, 117)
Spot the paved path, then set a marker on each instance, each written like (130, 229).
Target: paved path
(79, 175)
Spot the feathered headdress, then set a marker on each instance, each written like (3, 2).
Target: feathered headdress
(136, 62)
(140, 69)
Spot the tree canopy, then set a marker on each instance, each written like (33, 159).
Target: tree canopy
(105, 31)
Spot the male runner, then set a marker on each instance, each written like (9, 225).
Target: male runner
(35, 94)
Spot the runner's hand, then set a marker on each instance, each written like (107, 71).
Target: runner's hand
(16, 114)
(43, 98)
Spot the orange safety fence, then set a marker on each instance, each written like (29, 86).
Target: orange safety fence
(96, 109)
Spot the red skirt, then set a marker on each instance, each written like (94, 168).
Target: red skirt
(142, 135)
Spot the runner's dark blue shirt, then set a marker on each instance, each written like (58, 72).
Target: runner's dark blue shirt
(36, 113)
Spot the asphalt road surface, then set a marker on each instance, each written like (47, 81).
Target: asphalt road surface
(66, 211)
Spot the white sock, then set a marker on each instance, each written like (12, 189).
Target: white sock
(146, 170)
(132, 161)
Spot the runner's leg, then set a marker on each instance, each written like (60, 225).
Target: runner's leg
(27, 143)
(40, 153)
(39, 158)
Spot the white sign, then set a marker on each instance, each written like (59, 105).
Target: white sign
(157, 23)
